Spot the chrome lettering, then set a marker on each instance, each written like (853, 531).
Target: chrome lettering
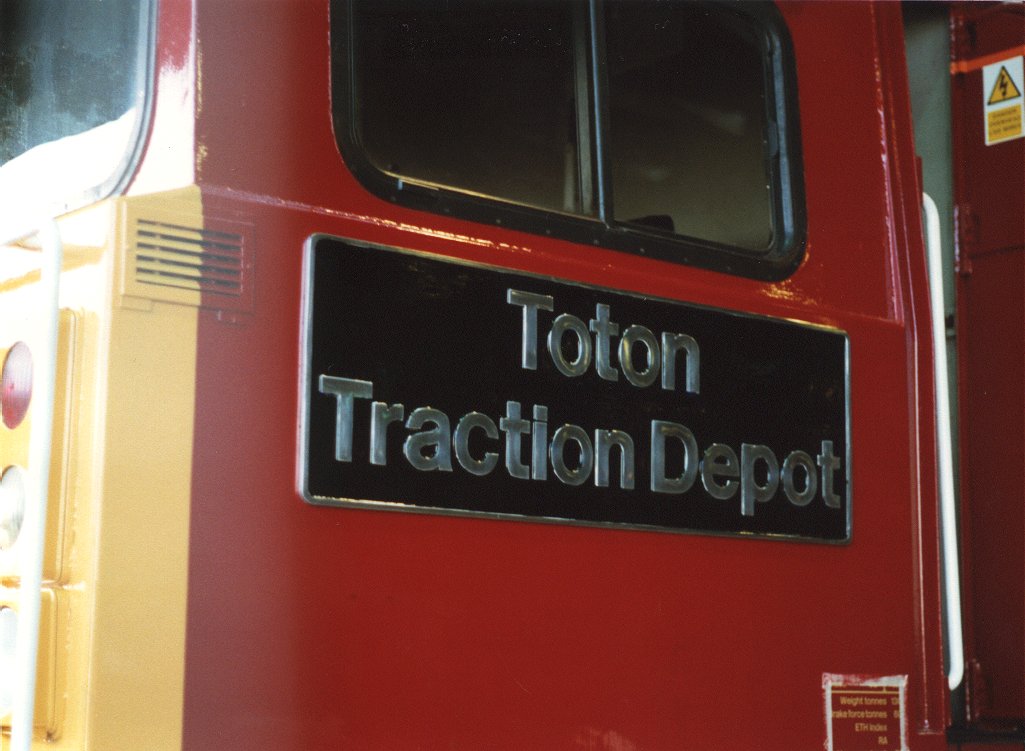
(671, 344)
(720, 461)
(572, 368)
(639, 335)
(750, 489)
(345, 391)
(604, 440)
(437, 440)
(799, 460)
(660, 353)
(531, 304)
(643, 358)
(514, 427)
(604, 329)
(461, 443)
(381, 416)
(829, 464)
(539, 443)
(660, 431)
(566, 474)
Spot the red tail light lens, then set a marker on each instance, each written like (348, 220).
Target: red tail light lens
(16, 385)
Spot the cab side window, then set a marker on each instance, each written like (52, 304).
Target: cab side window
(653, 127)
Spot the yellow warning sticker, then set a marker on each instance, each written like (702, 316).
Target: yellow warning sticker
(1002, 85)
(1004, 124)
(1004, 89)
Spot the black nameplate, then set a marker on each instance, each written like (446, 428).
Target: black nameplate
(447, 387)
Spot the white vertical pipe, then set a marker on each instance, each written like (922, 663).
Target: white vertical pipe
(948, 510)
(32, 540)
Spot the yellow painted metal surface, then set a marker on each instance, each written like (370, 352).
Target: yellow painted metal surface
(112, 658)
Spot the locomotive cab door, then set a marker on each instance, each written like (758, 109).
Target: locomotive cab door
(614, 416)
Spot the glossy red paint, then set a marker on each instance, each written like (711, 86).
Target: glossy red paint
(169, 157)
(989, 184)
(323, 628)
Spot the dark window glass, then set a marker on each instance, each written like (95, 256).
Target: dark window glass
(472, 94)
(688, 133)
(66, 66)
(73, 95)
(662, 127)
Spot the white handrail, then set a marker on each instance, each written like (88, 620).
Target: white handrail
(948, 509)
(32, 540)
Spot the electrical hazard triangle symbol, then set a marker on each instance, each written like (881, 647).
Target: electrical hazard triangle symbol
(1004, 88)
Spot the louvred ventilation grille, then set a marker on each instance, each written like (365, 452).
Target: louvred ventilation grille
(170, 259)
(176, 256)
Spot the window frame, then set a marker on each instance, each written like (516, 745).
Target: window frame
(788, 217)
(63, 199)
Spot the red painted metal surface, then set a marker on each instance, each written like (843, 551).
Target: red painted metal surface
(323, 628)
(989, 198)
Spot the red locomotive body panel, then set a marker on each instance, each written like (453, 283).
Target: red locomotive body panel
(989, 191)
(317, 627)
(387, 374)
